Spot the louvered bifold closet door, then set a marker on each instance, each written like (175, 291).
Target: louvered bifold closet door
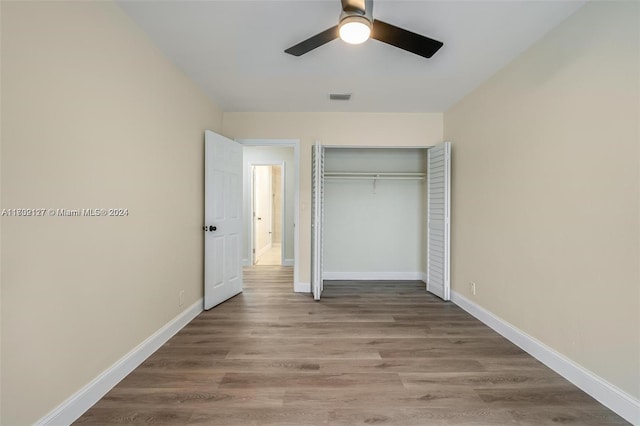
(438, 219)
(317, 198)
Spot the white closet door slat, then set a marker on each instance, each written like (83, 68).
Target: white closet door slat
(438, 219)
(317, 198)
(321, 229)
(314, 178)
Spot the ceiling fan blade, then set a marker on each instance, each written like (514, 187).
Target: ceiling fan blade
(404, 39)
(314, 42)
(357, 6)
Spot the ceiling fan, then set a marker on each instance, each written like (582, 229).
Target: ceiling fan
(356, 25)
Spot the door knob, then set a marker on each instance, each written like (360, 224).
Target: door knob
(212, 228)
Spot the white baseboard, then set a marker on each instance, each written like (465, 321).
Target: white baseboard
(373, 276)
(607, 394)
(302, 287)
(78, 403)
(287, 262)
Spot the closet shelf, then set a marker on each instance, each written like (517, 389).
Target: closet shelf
(375, 175)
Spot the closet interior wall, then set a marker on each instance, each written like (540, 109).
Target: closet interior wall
(374, 213)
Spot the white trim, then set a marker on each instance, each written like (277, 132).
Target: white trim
(609, 395)
(76, 405)
(301, 287)
(374, 276)
(295, 143)
(286, 262)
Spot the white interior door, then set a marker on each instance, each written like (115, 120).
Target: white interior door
(223, 219)
(317, 197)
(261, 210)
(438, 219)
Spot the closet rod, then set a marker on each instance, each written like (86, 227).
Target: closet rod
(370, 177)
(374, 174)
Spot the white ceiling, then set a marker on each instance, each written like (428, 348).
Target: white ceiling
(234, 50)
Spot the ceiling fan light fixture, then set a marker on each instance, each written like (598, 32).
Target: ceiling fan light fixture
(355, 29)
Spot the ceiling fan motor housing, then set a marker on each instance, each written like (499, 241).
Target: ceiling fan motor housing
(366, 13)
(356, 21)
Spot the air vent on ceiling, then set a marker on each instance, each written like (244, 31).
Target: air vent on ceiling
(340, 96)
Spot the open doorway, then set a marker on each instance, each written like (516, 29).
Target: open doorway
(267, 215)
(283, 155)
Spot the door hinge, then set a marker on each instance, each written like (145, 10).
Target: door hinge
(254, 251)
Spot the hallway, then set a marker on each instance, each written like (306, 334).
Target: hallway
(271, 257)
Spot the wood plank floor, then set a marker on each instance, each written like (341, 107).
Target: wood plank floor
(368, 353)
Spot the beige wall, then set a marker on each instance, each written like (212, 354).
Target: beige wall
(363, 129)
(545, 192)
(93, 115)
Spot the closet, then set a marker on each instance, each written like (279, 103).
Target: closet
(381, 214)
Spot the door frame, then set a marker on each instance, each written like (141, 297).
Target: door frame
(283, 197)
(295, 144)
(427, 148)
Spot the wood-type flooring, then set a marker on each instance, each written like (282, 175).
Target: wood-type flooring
(369, 353)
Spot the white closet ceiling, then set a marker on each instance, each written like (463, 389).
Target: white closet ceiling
(234, 50)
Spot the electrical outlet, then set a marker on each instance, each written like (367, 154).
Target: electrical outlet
(181, 298)
(472, 287)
